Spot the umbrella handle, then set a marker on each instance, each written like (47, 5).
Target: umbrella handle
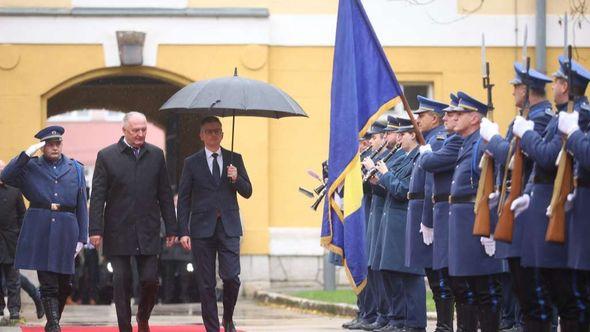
(233, 127)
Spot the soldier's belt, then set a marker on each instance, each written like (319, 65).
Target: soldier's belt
(461, 199)
(440, 198)
(544, 179)
(53, 207)
(415, 196)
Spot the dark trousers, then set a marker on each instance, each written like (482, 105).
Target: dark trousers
(12, 282)
(510, 309)
(408, 299)
(29, 288)
(440, 284)
(478, 299)
(375, 302)
(147, 266)
(54, 285)
(173, 291)
(562, 288)
(205, 250)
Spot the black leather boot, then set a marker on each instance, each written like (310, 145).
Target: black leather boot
(489, 318)
(466, 317)
(536, 326)
(51, 306)
(149, 293)
(64, 293)
(38, 304)
(444, 315)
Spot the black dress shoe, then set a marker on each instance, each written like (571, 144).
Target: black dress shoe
(229, 326)
(350, 323)
(373, 326)
(390, 327)
(358, 325)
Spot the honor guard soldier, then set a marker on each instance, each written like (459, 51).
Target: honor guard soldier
(56, 225)
(405, 285)
(554, 284)
(367, 300)
(578, 144)
(540, 112)
(441, 164)
(475, 275)
(419, 223)
(379, 194)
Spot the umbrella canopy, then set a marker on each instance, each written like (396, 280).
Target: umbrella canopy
(234, 96)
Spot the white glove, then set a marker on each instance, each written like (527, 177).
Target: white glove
(520, 204)
(488, 129)
(521, 126)
(79, 247)
(493, 199)
(568, 122)
(427, 234)
(569, 204)
(489, 245)
(33, 148)
(425, 149)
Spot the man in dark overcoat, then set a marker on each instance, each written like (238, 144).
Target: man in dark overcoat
(55, 226)
(12, 211)
(130, 193)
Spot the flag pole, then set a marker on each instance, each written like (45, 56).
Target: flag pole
(419, 136)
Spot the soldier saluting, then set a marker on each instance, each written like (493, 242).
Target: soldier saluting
(56, 225)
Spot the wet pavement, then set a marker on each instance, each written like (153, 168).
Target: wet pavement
(249, 316)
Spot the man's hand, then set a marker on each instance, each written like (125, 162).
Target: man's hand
(521, 126)
(170, 241)
(568, 122)
(373, 180)
(427, 234)
(493, 199)
(489, 245)
(185, 242)
(368, 163)
(79, 247)
(232, 173)
(423, 149)
(381, 167)
(520, 204)
(33, 148)
(488, 129)
(96, 241)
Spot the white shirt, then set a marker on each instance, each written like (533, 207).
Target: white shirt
(209, 155)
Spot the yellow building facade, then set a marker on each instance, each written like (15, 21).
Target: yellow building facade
(60, 55)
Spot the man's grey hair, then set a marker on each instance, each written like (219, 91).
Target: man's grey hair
(130, 115)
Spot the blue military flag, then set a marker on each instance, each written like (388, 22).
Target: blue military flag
(363, 87)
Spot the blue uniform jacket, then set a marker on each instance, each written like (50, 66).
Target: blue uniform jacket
(378, 204)
(393, 224)
(540, 113)
(466, 254)
(420, 209)
(578, 144)
(441, 164)
(543, 150)
(47, 241)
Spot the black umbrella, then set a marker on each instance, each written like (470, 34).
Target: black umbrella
(234, 96)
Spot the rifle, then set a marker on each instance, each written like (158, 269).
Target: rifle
(505, 227)
(481, 226)
(385, 159)
(515, 165)
(564, 180)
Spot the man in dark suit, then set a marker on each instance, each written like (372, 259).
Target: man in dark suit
(209, 220)
(12, 212)
(130, 193)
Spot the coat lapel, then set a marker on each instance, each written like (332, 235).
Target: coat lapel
(67, 165)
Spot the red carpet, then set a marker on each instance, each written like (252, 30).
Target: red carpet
(153, 328)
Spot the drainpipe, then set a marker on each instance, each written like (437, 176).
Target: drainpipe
(541, 35)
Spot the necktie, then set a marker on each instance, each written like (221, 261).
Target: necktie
(135, 152)
(216, 172)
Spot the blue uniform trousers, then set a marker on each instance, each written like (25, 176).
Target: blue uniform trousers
(379, 306)
(408, 299)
